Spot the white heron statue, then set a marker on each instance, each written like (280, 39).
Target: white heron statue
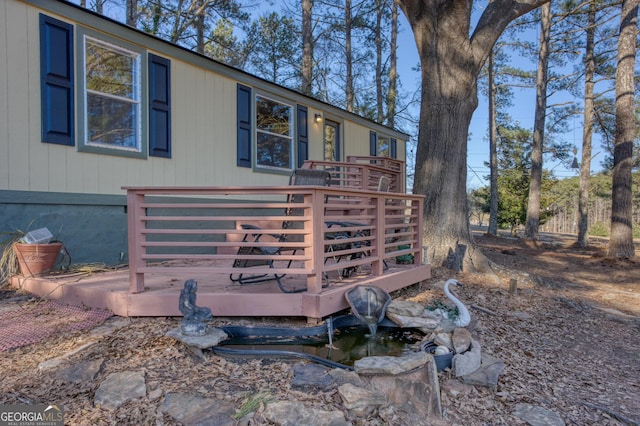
(464, 318)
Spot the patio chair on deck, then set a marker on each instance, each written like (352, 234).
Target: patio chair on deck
(298, 177)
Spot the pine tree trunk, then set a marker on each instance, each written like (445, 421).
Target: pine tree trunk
(493, 153)
(587, 131)
(393, 67)
(307, 48)
(535, 183)
(621, 240)
(132, 13)
(348, 56)
(378, 41)
(200, 17)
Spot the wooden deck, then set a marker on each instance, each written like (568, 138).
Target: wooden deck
(110, 290)
(181, 233)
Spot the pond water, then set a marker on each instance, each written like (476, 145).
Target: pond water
(347, 345)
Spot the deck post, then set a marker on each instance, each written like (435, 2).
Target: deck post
(315, 242)
(134, 213)
(377, 267)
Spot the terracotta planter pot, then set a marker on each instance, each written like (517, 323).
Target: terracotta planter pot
(36, 259)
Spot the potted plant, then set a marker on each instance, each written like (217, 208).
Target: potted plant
(29, 254)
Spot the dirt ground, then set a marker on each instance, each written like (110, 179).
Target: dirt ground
(569, 338)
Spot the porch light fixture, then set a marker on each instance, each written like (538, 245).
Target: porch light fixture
(318, 118)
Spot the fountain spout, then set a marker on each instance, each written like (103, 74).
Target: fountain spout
(369, 305)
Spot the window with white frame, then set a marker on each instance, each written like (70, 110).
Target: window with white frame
(274, 134)
(112, 97)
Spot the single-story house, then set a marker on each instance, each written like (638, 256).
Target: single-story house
(89, 105)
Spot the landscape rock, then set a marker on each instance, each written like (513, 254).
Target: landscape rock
(537, 416)
(189, 409)
(413, 322)
(487, 374)
(342, 376)
(468, 362)
(456, 388)
(405, 308)
(443, 339)
(360, 401)
(81, 372)
(121, 387)
(286, 413)
(416, 394)
(461, 340)
(446, 326)
(212, 338)
(311, 375)
(56, 362)
(391, 364)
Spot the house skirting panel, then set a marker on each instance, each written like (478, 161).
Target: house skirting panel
(93, 228)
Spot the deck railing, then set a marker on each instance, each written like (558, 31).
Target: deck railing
(199, 229)
(360, 175)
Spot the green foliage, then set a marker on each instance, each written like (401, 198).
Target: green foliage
(274, 46)
(252, 403)
(451, 312)
(599, 229)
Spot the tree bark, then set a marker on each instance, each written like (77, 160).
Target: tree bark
(132, 13)
(587, 130)
(493, 153)
(348, 55)
(393, 67)
(199, 23)
(535, 182)
(307, 48)
(451, 62)
(621, 240)
(378, 41)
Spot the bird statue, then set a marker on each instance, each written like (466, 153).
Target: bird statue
(464, 318)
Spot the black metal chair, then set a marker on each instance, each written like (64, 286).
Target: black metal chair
(340, 235)
(298, 177)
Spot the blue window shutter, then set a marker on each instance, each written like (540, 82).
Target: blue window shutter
(244, 126)
(303, 134)
(159, 106)
(394, 148)
(373, 143)
(56, 81)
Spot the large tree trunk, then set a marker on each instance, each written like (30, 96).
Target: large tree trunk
(451, 63)
(449, 97)
(587, 131)
(621, 241)
(535, 182)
